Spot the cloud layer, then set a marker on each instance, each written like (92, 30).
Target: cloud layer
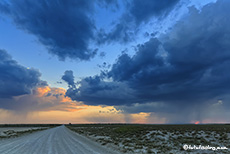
(22, 90)
(68, 29)
(184, 68)
(41, 99)
(64, 27)
(15, 79)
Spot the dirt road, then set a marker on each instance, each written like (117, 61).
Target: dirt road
(58, 140)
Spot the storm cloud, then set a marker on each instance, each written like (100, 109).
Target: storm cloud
(68, 29)
(64, 27)
(15, 79)
(183, 68)
(22, 90)
(108, 93)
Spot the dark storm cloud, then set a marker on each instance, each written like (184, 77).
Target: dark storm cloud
(184, 68)
(69, 78)
(15, 79)
(137, 12)
(194, 60)
(128, 68)
(64, 27)
(94, 87)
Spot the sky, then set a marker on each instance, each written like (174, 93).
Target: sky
(114, 61)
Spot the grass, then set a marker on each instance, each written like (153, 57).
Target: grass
(12, 133)
(134, 138)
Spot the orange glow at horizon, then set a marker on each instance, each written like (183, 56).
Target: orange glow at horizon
(139, 117)
(197, 122)
(81, 114)
(50, 105)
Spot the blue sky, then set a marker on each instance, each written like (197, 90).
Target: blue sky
(152, 57)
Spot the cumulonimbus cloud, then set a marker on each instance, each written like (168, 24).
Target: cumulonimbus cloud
(186, 66)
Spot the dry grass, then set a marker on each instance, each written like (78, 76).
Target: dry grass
(130, 138)
(13, 130)
(12, 133)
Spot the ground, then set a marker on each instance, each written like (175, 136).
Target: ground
(58, 140)
(130, 138)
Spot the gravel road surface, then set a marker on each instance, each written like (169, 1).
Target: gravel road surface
(58, 140)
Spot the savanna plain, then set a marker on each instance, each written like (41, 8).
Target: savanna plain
(130, 138)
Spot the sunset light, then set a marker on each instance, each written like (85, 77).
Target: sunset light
(142, 76)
